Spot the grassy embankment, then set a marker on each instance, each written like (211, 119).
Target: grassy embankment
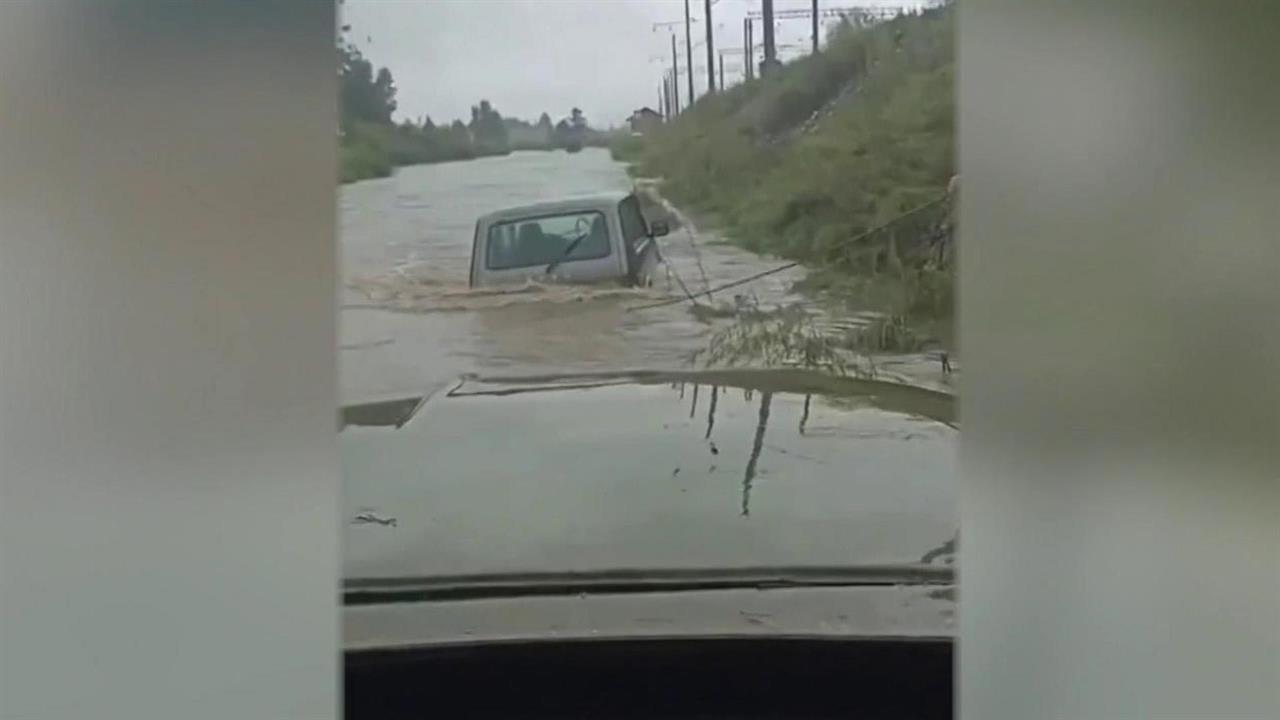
(813, 161)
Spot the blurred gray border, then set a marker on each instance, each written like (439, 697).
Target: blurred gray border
(168, 477)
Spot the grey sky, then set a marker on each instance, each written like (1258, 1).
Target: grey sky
(527, 56)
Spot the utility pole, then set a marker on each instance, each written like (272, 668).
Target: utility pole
(815, 27)
(688, 50)
(749, 55)
(711, 57)
(721, 72)
(671, 104)
(662, 99)
(675, 77)
(770, 52)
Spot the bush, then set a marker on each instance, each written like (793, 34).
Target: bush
(363, 154)
(626, 147)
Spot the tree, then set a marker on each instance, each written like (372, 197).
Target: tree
(362, 97)
(384, 90)
(563, 134)
(487, 128)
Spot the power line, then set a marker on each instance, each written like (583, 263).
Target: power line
(670, 24)
(708, 291)
(786, 266)
(876, 11)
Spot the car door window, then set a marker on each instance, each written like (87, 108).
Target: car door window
(566, 237)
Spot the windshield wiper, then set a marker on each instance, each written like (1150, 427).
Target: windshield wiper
(573, 245)
(367, 591)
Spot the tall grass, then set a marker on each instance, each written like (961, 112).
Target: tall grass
(802, 162)
(626, 147)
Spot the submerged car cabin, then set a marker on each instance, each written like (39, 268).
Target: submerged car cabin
(587, 239)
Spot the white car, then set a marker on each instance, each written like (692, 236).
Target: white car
(589, 239)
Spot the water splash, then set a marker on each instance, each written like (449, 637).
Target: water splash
(425, 289)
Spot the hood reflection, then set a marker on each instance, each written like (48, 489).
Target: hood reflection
(766, 399)
(711, 414)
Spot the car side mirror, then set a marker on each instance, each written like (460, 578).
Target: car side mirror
(658, 228)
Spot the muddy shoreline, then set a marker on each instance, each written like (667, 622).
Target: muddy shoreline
(924, 369)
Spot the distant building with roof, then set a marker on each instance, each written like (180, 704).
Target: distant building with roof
(644, 120)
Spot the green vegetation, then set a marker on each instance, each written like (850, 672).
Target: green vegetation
(371, 145)
(820, 161)
(363, 154)
(626, 147)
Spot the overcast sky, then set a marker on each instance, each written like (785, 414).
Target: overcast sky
(530, 56)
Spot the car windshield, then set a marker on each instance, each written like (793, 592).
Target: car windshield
(547, 239)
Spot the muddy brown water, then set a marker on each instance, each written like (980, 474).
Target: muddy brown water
(409, 323)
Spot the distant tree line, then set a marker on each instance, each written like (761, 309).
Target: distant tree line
(372, 143)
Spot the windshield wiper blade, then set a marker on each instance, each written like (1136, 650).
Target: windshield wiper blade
(573, 245)
(368, 591)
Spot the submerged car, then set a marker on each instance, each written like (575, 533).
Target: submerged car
(589, 239)
(737, 543)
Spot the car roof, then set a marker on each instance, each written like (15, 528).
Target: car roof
(597, 201)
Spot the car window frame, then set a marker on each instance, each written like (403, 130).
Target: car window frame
(514, 222)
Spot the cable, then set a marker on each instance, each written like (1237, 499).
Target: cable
(780, 268)
(688, 295)
(735, 283)
(697, 257)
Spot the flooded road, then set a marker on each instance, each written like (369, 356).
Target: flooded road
(409, 323)
(554, 458)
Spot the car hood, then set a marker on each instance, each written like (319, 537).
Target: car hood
(634, 472)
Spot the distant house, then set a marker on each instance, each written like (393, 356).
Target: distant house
(644, 120)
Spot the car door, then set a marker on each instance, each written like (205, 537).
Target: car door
(641, 249)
